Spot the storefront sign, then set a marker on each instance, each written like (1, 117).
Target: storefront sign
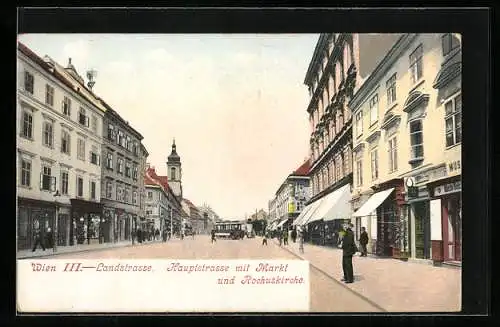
(448, 188)
(454, 167)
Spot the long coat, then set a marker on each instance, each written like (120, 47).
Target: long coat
(348, 245)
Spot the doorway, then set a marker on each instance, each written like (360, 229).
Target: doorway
(421, 216)
(452, 224)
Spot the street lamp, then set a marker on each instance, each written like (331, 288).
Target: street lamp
(54, 235)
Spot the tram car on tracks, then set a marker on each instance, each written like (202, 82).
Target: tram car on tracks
(234, 230)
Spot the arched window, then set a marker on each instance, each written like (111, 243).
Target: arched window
(172, 173)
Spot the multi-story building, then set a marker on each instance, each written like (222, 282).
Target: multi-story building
(196, 219)
(210, 217)
(272, 211)
(124, 157)
(407, 137)
(339, 63)
(157, 204)
(58, 152)
(162, 208)
(293, 195)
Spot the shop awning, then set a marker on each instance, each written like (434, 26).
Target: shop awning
(304, 212)
(373, 203)
(314, 206)
(335, 205)
(282, 223)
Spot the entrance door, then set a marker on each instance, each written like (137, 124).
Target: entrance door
(453, 228)
(62, 227)
(421, 213)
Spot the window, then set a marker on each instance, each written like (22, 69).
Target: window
(95, 158)
(47, 181)
(120, 165)
(27, 126)
(359, 171)
(374, 109)
(109, 161)
(48, 134)
(450, 42)
(127, 169)
(81, 149)
(65, 142)
(49, 95)
(347, 161)
(374, 163)
(111, 132)
(66, 106)
(64, 182)
(393, 155)
(25, 172)
(359, 123)
(92, 190)
(134, 148)
(453, 120)
(416, 64)
(94, 124)
(79, 186)
(172, 173)
(134, 198)
(29, 82)
(416, 139)
(338, 169)
(128, 144)
(135, 172)
(82, 118)
(125, 195)
(391, 89)
(109, 190)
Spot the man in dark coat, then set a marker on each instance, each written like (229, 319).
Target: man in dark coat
(37, 236)
(348, 250)
(363, 241)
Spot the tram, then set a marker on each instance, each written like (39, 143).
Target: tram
(234, 230)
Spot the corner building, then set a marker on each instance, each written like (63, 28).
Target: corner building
(339, 64)
(406, 150)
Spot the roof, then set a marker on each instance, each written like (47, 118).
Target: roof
(303, 170)
(49, 69)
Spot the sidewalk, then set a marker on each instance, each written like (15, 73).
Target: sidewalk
(26, 254)
(395, 285)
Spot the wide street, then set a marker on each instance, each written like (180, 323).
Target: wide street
(327, 294)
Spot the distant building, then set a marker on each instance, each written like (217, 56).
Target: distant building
(210, 217)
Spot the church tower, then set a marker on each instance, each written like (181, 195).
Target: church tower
(174, 171)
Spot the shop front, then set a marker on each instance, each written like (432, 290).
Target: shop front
(447, 209)
(87, 222)
(382, 213)
(34, 215)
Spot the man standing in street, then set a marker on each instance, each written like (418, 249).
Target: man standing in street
(213, 236)
(37, 236)
(363, 241)
(348, 250)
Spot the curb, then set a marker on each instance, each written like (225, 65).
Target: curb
(376, 305)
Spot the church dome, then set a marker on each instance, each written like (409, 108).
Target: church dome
(174, 157)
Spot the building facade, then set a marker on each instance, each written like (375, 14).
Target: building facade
(122, 184)
(157, 203)
(406, 136)
(210, 217)
(339, 64)
(58, 153)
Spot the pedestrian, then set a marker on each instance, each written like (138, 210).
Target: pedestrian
(285, 237)
(264, 239)
(348, 250)
(37, 236)
(363, 241)
(49, 238)
(294, 235)
(301, 242)
(213, 236)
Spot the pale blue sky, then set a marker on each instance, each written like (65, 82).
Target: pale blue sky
(235, 103)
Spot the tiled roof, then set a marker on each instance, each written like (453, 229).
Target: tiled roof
(303, 170)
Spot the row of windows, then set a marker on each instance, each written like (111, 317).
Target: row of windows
(83, 118)
(121, 193)
(453, 117)
(123, 167)
(125, 141)
(332, 171)
(48, 182)
(27, 127)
